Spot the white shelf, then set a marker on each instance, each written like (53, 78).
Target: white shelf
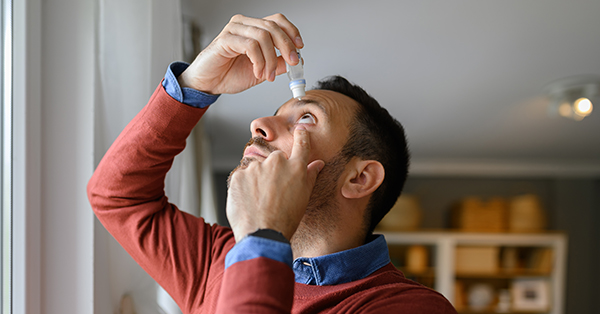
(444, 244)
(505, 168)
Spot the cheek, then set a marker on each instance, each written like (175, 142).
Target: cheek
(321, 149)
(286, 147)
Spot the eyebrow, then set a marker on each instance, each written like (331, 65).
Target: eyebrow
(305, 102)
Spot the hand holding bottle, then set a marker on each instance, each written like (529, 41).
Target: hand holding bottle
(243, 55)
(296, 76)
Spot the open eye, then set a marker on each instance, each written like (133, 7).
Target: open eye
(307, 118)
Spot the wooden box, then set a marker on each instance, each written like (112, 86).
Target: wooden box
(474, 214)
(477, 259)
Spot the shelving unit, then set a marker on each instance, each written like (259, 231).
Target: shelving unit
(440, 272)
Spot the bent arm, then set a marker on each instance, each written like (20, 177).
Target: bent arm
(127, 195)
(127, 190)
(258, 278)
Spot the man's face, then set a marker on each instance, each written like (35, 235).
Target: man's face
(326, 115)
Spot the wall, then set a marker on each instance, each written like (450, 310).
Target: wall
(575, 214)
(54, 94)
(596, 249)
(58, 246)
(67, 162)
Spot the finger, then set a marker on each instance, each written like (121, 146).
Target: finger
(281, 68)
(267, 48)
(288, 27)
(264, 38)
(235, 45)
(281, 30)
(301, 147)
(313, 169)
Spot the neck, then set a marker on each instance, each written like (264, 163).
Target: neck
(336, 231)
(311, 245)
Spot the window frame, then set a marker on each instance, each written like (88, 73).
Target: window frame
(6, 243)
(26, 156)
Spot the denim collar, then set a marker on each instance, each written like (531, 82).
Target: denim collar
(342, 267)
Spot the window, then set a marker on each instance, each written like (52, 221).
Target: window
(6, 155)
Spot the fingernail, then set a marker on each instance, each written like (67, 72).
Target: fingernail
(272, 76)
(320, 167)
(299, 42)
(294, 57)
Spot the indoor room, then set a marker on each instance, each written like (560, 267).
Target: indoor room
(499, 102)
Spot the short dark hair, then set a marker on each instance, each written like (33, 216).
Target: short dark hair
(374, 135)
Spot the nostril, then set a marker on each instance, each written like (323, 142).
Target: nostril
(261, 131)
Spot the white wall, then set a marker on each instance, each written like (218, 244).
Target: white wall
(137, 40)
(54, 85)
(67, 93)
(63, 257)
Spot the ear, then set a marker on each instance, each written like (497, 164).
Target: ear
(364, 177)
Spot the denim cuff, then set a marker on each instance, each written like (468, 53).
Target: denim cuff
(252, 247)
(186, 95)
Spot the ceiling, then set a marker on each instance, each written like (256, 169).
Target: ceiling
(465, 78)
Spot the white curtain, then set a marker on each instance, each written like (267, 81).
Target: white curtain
(137, 39)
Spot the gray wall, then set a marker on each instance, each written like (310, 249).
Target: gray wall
(577, 209)
(596, 249)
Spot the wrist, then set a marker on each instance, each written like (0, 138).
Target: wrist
(191, 79)
(270, 234)
(185, 81)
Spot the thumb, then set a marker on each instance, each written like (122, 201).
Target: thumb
(313, 170)
(281, 68)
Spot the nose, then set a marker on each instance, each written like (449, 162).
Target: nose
(266, 127)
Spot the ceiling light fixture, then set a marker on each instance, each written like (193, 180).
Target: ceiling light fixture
(573, 97)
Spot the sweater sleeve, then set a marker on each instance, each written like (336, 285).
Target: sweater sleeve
(126, 192)
(259, 285)
(258, 277)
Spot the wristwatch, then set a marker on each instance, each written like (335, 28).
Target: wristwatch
(270, 234)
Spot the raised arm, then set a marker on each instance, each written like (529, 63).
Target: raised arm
(127, 195)
(127, 189)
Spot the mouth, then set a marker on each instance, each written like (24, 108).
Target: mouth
(253, 151)
(258, 147)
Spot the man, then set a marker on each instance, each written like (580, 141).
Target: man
(314, 181)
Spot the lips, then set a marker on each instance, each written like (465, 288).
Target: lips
(258, 147)
(252, 151)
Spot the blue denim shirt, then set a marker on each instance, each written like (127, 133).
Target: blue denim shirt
(331, 269)
(188, 96)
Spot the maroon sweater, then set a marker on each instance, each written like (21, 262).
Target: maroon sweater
(186, 256)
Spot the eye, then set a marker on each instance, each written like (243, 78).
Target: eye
(307, 118)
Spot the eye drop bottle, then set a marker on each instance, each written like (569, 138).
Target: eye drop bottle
(296, 75)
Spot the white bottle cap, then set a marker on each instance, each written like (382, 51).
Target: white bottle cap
(298, 88)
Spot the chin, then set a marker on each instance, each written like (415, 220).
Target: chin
(244, 163)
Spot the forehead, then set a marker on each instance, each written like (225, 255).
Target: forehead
(338, 109)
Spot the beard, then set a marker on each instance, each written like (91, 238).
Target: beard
(321, 216)
(245, 162)
(320, 219)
